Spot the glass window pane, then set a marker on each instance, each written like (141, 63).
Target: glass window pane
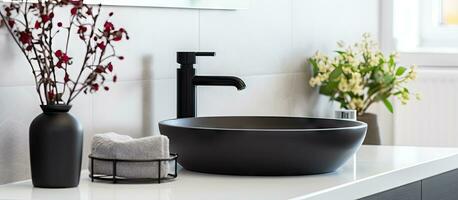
(450, 12)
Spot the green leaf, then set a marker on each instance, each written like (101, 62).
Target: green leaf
(315, 69)
(388, 79)
(335, 74)
(392, 62)
(400, 71)
(326, 90)
(341, 52)
(388, 105)
(329, 89)
(366, 69)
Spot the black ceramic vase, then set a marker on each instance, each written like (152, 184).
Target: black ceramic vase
(373, 131)
(56, 144)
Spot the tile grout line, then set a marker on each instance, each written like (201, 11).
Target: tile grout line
(292, 24)
(291, 100)
(198, 29)
(92, 114)
(166, 78)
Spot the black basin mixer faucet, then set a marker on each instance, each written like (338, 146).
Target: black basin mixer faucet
(187, 82)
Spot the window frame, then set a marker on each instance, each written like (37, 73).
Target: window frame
(400, 31)
(433, 32)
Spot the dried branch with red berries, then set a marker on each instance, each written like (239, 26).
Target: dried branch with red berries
(45, 39)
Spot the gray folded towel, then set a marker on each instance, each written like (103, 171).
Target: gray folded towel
(115, 146)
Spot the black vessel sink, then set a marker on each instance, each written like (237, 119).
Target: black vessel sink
(272, 146)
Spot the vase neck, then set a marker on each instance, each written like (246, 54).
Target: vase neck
(59, 108)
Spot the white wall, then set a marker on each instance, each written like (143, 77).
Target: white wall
(430, 121)
(265, 45)
(433, 120)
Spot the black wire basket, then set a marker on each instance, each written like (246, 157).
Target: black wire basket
(114, 178)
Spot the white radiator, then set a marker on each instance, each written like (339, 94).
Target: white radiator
(432, 121)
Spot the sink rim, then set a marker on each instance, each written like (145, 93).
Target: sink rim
(360, 124)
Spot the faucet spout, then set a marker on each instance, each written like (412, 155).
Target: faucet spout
(187, 80)
(219, 80)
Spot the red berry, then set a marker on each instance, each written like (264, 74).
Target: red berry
(74, 10)
(11, 23)
(59, 53)
(37, 25)
(101, 45)
(66, 78)
(110, 67)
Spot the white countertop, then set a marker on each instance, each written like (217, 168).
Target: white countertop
(375, 169)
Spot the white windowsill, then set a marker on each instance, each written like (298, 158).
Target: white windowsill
(430, 57)
(430, 50)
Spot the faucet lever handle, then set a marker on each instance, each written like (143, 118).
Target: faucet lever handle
(189, 58)
(205, 53)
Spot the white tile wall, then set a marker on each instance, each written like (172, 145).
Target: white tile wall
(124, 109)
(247, 42)
(156, 35)
(265, 45)
(163, 101)
(264, 95)
(315, 28)
(13, 66)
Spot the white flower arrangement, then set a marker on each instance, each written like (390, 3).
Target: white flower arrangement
(361, 75)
